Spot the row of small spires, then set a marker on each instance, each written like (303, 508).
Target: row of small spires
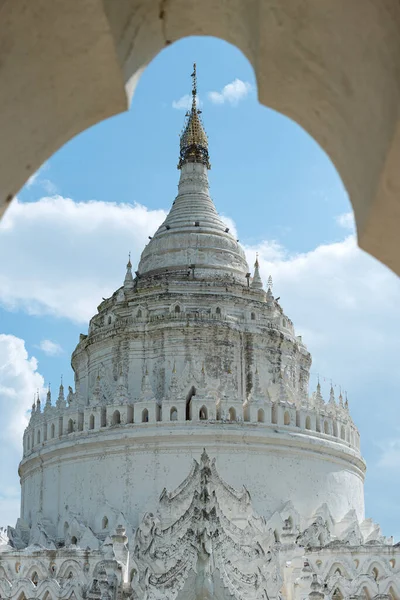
(256, 283)
(332, 400)
(256, 392)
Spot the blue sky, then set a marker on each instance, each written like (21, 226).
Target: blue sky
(68, 235)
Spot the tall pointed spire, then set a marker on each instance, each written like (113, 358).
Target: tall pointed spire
(146, 392)
(257, 281)
(319, 401)
(61, 398)
(128, 282)
(194, 142)
(48, 399)
(332, 396)
(38, 404)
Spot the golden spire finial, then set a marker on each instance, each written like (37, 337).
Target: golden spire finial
(194, 142)
(194, 87)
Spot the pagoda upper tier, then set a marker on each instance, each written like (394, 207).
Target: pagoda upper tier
(193, 237)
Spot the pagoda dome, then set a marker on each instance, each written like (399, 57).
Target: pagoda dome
(193, 236)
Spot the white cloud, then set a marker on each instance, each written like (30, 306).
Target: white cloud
(232, 93)
(65, 256)
(50, 348)
(185, 102)
(345, 300)
(46, 184)
(347, 221)
(19, 379)
(390, 454)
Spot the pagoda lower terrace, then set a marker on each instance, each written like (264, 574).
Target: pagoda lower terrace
(324, 422)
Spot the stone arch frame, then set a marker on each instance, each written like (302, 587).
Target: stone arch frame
(189, 404)
(365, 584)
(371, 563)
(203, 413)
(173, 413)
(327, 429)
(344, 571)
(140, 311)
(392, 588)
(5, 587)
(286, 418)
(116, 418)
(145, 415)
(346, 565)
(5, 573)
(68, 565)
(176, 308)
(261, 415)
(285, 77)
(232, 413)
(37, 567)
(91, 422)
(53, 431)
(246, 413)
(70, 426)
(337, 593)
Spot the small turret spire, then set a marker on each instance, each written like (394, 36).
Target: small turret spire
(48, 398)
(128, 281)
(194, 142)
(146, 392)
(319, 401)
(257, 281)
(332, 396)
(38, 403)
(61, 399)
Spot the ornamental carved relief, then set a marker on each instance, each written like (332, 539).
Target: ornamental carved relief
(215, 541)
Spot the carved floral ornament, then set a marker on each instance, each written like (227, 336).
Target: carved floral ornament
(204, 545)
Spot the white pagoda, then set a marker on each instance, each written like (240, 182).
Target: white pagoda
(190, 460)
